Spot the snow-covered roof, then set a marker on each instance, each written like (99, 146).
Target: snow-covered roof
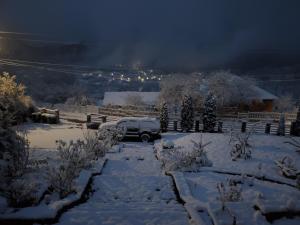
(120, 98)
(262, 94)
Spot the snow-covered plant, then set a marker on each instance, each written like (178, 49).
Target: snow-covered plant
(209, 115)
(230, 191)
(61, 179)
(112, 135)
(21, 193)
(94, 147)
(176, 159)
(287, 167)
(74, 153)
(281, 125)
(187, 113)
(241, 147)
(295, 143)
(14, 148)
(167, 144)
(164, 117)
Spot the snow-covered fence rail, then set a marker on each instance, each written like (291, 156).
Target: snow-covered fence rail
(226, 125)
(126, 112)
(265, 116)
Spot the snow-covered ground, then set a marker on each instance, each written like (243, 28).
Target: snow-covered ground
(263, 193)
(44, 136)
(134, 189)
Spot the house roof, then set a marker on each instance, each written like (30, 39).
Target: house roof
(259, 93)
(120, 98)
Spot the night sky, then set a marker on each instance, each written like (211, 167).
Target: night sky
(162, 32)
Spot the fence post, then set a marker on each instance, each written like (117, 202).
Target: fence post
(268, 128)
(175, 125)
(88, 118)
(220, 127)
(244, 126)
(197, 125)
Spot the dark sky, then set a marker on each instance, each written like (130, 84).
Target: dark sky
(162, 32)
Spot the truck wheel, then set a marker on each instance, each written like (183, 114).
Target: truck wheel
(145, 137)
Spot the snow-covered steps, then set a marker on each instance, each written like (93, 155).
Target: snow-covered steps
(131, 190)
(126, 214)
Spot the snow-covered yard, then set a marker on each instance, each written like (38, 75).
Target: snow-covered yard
(136, 186)
(244, 191)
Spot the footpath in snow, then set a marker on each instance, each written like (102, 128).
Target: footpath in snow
(132, 190)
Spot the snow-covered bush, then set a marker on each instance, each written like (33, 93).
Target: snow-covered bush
(187, 114)
(75, 156)
(176, 159)
(21, 193)
(209, 115)
(287, 167)
(294, 143)
(167, 144)
(94, 147)
(230, 191)
(61, 179)
(241, 147)
(111, 136)
(13, 97)
(164, 117)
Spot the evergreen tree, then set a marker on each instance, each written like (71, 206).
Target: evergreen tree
(209, 115)
(187, 113)
(164, 117)
(281, 125)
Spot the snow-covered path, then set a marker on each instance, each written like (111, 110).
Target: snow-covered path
(132, 190)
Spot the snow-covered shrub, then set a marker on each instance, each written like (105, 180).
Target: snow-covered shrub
(111, 136)
(94, 147)
(230, 191)
(176, 159)
(74, 157)
(167, 144)
(74, 153)
(187, 113)
(241, 147)
(61, 179)
(209, 115)
(164, 117)
(14, 148)
(287, 167)
(21, 193)
(13, 97)
(294, 143)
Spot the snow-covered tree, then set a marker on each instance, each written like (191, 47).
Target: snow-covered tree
(164, 117)
(284, 103)
(281, 125)
(209, 115)
(229, 88)
(13, 97)
(14, 148)
(134, 100)
(187, 113)
(175, 86)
